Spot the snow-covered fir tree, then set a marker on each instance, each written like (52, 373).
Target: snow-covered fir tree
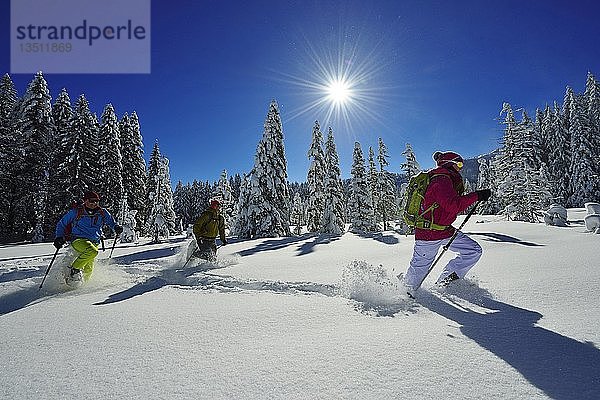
(559, 158)
(225, 197)
(485, 180)
(502, 164)
(539, 142)
(522, 190)
(386, 188)
(9, 153)
(81, 162)
(126, 218)
(235, 182)
(542, 145)
(57, 154)
(360, 202)
(151, 178)
(538, 194)
(167, 194)
(36, 126)
(190, 200)
(411, 167)
(59, 199)
(202, 192)
(243, 226)
(109, 152)
(565, 117)
(297, 215)
(134, 165)
(153, 165)
(161, 220)
(8, 99)
(372, 180)
(584, 166)
(592, 98)
(332, 220)
(181, 203)
(315, 180)
(268, 213)
(556, 154)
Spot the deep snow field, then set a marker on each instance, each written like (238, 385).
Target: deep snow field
(308, 317)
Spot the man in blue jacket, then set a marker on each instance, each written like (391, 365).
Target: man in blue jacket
(82, 225)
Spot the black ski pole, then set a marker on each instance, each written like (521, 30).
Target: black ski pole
(447, 245)
(113, 246)
(48, 269)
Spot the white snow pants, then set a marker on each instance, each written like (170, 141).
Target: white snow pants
(468, 253)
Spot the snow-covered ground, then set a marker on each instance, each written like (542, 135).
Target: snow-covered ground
(309, 317)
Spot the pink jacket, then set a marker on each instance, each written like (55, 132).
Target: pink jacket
(445, 189)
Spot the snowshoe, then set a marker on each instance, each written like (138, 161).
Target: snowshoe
(75, 278)
(206, 256)
(447, 280)
(409, 291)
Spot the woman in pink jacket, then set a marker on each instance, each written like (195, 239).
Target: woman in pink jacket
(445, 193)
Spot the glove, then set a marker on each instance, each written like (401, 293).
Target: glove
(118, 229)
(483, 194)
(59, 242)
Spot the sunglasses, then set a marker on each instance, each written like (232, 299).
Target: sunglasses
(93, 201)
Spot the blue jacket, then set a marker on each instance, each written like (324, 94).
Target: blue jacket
(88, 226)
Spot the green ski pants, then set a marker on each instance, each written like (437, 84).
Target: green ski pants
(87, 254)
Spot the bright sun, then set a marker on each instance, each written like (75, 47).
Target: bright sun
(342, 84)
(339, 92)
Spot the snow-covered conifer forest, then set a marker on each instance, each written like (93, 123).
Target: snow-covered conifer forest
(52, 150)
(304, 301)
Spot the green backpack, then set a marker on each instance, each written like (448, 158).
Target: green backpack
(413, 209)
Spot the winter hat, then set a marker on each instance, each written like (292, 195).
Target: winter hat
(91, 196)
(444, 157)
(214, 204)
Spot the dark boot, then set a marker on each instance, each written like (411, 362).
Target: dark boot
(75, 277)
(446, 281)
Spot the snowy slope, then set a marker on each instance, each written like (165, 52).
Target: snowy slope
(310, 317)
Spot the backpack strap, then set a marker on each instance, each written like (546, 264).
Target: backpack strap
(81, 210)
(103, 214)
(79, 213)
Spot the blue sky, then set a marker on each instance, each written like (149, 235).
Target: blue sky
(431, 73)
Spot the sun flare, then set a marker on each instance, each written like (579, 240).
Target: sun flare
(341, 83)
(339, 92)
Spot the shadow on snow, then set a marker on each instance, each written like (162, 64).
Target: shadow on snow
(188, 278)
(274, 244)
(499, 237)
(309, 246)
(19, 274)
(145, 255)
(165, 278)
(380, 237)
(562, 367)
(20, 299)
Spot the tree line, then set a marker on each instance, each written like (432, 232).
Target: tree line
(324, 203)
(553, 158)
(51, 153)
